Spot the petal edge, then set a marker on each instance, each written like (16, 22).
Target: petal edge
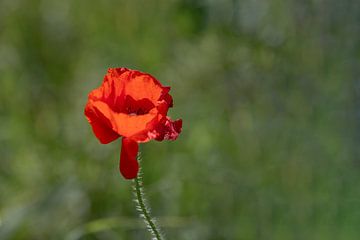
(101, 130)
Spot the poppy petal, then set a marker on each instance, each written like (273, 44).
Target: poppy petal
(111, 90)
(143, 86)
(129, 166)
(102, 131)
(124, 124)
(167, 129)
(166, 96)
(172, 129)
(119, 82)
(146, 134)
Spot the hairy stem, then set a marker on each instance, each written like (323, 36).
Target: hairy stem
(144, 209)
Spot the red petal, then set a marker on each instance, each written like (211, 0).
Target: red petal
(140, 86)
(124, 124)
(173, 128)
(119, 82)
(100, 125)
(166, 96)
(167, 129)
(112, 90)
(129, 166)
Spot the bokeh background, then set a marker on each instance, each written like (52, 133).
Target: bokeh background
(268, 90)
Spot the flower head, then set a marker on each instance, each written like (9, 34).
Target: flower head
(132, 105)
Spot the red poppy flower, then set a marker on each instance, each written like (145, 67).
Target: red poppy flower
(132, 105)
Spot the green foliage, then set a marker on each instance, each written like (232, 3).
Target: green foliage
(268, 92)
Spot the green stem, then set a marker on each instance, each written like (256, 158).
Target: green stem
(144, 210)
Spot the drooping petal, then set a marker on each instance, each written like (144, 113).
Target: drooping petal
(172, 129)
(167, 129)
(129, 166)
(100, 125)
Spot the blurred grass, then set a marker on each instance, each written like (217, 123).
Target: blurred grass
(269, 95)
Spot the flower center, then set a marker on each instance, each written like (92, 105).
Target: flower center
(137, 107)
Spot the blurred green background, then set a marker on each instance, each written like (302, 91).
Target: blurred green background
(269, 93)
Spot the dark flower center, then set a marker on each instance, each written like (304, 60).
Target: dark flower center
(137, 107)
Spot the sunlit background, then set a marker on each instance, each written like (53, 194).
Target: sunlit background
(269, 93)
